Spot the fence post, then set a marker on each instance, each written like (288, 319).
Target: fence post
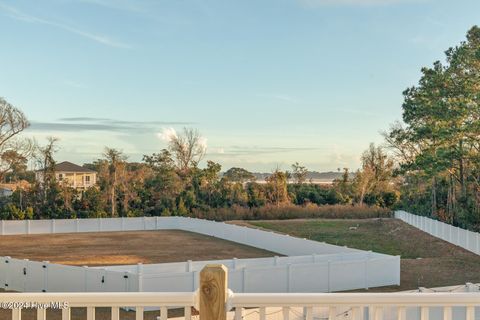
(244, 280)
(6, 274)
(194, 280)
(477, 243)
(45, 275)
(25, 272)
(188, 266)
(289, 278)
(125, 276)
(329, 285)
(467, 240)
(2, 229)
(140, 277)
(458, 237)
(213, 292)
(27, 226)
(85, 278)
(52, 226)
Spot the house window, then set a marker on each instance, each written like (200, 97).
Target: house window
(87, 179)
(60, 177)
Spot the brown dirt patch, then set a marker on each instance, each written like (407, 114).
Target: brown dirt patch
(115, 248)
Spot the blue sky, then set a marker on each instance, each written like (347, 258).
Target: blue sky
(267, 82)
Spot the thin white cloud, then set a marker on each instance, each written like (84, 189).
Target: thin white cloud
(315, 3)
(22, 16)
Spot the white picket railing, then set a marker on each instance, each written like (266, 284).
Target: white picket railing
(248, 306)
(114, 300)
(357, 306)
(466, 239)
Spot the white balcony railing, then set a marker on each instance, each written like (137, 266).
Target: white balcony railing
(115, 300)
(215, 302)
(357, 306)
(290, 306)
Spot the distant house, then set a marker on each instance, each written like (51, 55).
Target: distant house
(74, 175)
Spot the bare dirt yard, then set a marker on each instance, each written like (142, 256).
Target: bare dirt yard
(426, 261)
(115, 248)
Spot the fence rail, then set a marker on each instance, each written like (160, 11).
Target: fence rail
(463, 238)
(214, 301)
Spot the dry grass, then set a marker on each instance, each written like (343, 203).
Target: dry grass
(284, 212)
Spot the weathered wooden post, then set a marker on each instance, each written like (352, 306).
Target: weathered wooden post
(213, 292)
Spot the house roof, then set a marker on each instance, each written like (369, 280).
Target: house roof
(66, 166)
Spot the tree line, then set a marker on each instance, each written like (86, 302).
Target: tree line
(169, 182)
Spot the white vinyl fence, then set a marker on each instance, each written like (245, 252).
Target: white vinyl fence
(278, 274)
(310, 266)
(32, 276)
(337, 274)
(271, 241)
(463, 238)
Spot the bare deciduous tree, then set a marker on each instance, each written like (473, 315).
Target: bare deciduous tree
(12, 148)
(188, 148)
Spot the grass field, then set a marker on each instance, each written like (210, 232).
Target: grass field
(114, 248)
(426, 260)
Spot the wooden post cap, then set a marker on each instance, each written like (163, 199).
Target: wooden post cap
(213, 292)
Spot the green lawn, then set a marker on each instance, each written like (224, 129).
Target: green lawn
(379, 235)
(426, 260)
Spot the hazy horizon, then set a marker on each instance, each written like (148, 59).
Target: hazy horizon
(266, 83)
